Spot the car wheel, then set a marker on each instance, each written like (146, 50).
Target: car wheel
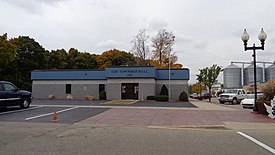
(234, 101)
(25, 104)
(221, 102)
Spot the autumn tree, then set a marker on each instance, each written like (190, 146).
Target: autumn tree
(140, 47)
(162, 47)
(156, 64)
(197, 88)
(208, 76)
(114, 58)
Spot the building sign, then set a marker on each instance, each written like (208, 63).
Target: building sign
(131, 72)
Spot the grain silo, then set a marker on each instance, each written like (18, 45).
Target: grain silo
(270, 73)
(249, 74)
(232, 77)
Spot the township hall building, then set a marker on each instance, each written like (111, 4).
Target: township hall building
(119, 82)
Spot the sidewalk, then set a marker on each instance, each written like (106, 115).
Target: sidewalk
(205, 115)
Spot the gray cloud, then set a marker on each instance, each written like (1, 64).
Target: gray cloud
(200, 45)
(109, 44)
(32, 6)
(180, 39)
(157, 23)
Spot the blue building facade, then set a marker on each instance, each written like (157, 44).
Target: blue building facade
(119, 82)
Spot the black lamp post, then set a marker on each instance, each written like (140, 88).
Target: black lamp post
(262, 37)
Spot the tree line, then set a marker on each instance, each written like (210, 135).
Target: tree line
(21, 55)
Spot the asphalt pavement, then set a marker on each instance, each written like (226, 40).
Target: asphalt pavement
(44, 139)
(96, 127)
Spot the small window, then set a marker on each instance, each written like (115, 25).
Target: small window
(239, 92)
(101, 87)
(123, 89)
(9, 87)
(68, 88)
(136, 89)
(1, 87)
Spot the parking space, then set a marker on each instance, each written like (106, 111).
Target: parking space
(44, 114)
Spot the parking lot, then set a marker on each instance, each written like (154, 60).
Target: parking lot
(71, 111)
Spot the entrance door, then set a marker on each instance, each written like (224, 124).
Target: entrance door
(129, 91)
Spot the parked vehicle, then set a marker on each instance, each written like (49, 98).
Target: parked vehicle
(200, 96)
(194, 95)
(249, 100)
(10, 95)
(232, 95)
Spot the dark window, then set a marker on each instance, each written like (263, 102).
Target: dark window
(1, 87)
(101, 87)
(9, 87)
(68, 88)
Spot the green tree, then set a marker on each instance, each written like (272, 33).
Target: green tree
(30, 56)
(114, 58)
(7, 55)
(86, 61)
(164, 90)
(56, 59)
(7, 51)
(60, 59)
(208, 76)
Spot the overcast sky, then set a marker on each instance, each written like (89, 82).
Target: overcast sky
(207, 31)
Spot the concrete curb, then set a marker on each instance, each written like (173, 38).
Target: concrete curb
(250, 126)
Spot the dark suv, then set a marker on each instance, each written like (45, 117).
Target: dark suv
(10, 95)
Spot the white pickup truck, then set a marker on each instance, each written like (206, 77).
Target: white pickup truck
(234, 96)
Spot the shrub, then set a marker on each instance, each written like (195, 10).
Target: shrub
(164, 90)
(150, 98)
(183, 96)
(102, 95)
(162, 98)
(269, 91)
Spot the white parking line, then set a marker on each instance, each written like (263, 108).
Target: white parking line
(270, 149)
(14, 111)
(50, 113)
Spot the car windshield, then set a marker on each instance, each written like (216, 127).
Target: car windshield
(252, 96)
(231, 91)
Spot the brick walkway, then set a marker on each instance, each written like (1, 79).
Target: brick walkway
(205, 114)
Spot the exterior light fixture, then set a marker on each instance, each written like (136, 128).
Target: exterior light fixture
(262, 37)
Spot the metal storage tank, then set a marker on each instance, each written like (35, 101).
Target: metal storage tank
(249, 74)
(232, 77)
(270, 73)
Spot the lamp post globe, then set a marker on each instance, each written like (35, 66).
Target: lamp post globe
(262, 36)
(245, 36)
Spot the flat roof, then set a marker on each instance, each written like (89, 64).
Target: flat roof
(112, 72)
